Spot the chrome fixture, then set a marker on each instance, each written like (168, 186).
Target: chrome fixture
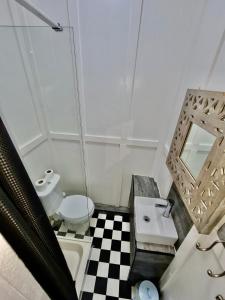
(198, 246)
(215, 275)
(219, 297)
(209, 271)
(168, 207)
(37, 12)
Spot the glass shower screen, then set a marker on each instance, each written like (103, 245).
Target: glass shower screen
(40, 107)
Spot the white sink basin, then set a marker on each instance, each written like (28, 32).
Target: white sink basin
(150, 225)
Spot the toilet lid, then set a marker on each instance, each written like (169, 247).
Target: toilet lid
(76, 206)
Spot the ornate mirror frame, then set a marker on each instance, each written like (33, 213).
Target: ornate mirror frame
(204, 196)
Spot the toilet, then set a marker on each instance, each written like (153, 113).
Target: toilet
(74, 209)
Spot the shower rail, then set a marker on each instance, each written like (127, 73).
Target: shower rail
(38, 13)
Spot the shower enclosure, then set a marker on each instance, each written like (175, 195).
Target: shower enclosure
(39, 105)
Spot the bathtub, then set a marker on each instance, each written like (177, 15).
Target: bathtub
(76, 253)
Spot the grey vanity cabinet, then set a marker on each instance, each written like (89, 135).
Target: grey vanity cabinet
(145, 264)
(149, 265)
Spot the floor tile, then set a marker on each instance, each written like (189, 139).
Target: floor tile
(115, 257)
(109, 224)
(110, 216)
(116, 235)
(98, 297)
(97, 242)
(87, 296)
(124, 271)
(70, 235)
(116, 245)
(98, 232)
(102, 216)
(126, 218)
(61, 233)
(124, 289)
(126, 226)
(106, 244)
(107, 234)
(117, 225)
(93, 222)
(100, 223)
(118, 218)
(101, 285)
(113, 287)
(125, 246)
(89, 283)
(92, 231)
(114, 271)
(92, 268)
(125, 236)
(95, 254)
(103, 269)
(104, 256)
(125, 259)
(95, 214)
(108, 267)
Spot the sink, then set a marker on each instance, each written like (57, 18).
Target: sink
(150, 225)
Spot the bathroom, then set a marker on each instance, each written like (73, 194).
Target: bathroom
(90, 109)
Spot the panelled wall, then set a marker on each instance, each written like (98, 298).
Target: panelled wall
(130, 56)
(133, 62)
(135, 59)
(204, 69)
(38, 98)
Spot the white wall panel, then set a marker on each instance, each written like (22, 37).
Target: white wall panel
(5, 16)
(166, 31)
(53, 63)
(58, 12)
(104, 29)
(177, 46)
(68, 163)
(207, 41)
(38, 160)
(104, 172)
(17, 103)
(200, 71)
(217, 78)
(137, 161)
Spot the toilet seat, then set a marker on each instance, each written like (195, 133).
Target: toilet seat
(76, 208)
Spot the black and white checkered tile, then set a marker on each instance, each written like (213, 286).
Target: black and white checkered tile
(62, 230)
(109, 263)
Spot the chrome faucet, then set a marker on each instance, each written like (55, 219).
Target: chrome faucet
(168, 207)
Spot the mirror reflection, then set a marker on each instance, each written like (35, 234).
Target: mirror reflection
(196, 148)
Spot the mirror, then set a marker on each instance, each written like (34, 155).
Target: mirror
(196, 148)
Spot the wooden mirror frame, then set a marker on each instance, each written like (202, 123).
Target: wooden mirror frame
(204, 196)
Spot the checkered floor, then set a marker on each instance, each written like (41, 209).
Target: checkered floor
(109, 263)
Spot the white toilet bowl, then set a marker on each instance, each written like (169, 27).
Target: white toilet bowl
(76, 209)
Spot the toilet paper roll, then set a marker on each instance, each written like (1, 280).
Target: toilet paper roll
(40, 184)
(49, 174)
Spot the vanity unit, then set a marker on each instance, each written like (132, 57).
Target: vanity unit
(148, 260)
